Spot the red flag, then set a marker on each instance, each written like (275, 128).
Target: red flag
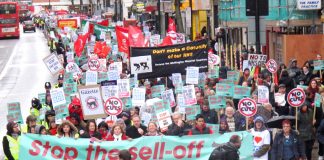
(104, 22)
(171, 26)
(104, 51)
(97, 48)
(167, 41)
(79, 44)
(122, 39)
(135, 37)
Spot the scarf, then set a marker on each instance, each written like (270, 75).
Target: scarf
(91, 133)
(117, 137)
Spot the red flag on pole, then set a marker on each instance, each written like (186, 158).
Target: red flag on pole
(104, 22)
(122, 39)
(167, 41)
(171, 26)
(80, 43)
(135, 37)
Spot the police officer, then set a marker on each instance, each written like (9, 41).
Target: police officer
(60, 80)
(48, 87)
(10, 142)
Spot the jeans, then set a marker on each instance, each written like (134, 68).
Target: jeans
(308, 148)
(320, 148)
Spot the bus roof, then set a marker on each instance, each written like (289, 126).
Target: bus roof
(8, 3)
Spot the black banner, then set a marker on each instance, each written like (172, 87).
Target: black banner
(153, 62)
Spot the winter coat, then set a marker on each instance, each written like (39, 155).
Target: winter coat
(87, 135)
(238, 120)
(77, 110)
(132, 131)
(226, 151)
(288, 82)
(278, 146)
(204, 130)
(112, 138)
(305, 127)
(210, 116)
(175, 130)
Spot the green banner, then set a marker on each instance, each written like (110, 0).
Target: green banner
(241, 92)
(40, 147)
(223, 89)
(318, 100)
(216, 102)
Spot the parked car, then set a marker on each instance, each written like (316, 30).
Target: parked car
(29, 26)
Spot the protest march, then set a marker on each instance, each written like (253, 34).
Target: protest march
(123, 91)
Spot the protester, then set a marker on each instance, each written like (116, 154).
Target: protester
(261, 140)
(223, 126)
(30, 122)
(124, 155)
(320, 138)
(312, 89)
(306, 128)
(294, 71)
(227, 151)
(67, 129)
(35, 108)
(126, 117)
(245, 76)
(287, 81)
(77, 122)
(75, 107)
(178, 127)
(52, 130)
(287, 144)
(91, 131)
(306, 75)
(137, 130)
(40, 129)
(200, 127)
(210, 115)
(117, 133)
(235, 124)
(49, 116)
(152, 130)
(10, 142)
(281, 103)
(103, 129)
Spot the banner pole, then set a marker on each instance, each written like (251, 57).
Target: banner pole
(321, 75)
(296, 117)
(247, 123)
(314, 113)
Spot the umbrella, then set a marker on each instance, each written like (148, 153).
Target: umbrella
(276, 122)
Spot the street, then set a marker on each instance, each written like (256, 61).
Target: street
(22, 73)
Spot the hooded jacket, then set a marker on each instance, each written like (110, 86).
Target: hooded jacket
(261, 140)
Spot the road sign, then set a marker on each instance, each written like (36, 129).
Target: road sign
(247, 107)
(213, 59)
(296, 97)
(272, 66)
(113, 106)
(93, 64)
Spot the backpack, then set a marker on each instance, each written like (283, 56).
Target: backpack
(219, 153)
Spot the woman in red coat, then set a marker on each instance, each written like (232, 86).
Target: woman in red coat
(117, 134)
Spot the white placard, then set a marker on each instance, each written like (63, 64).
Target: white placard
(103, 65)
(181, 103)
(176, 78)
(123, 88)
(257, 59)
(155, 40)
(113, 75)
(192, 75)
(69, 57)
(169, 97)
(164, 119)
(308, 4)
(92, 104)
(91, 78)
(116, 66)
(189, 95)
(53, 64)
(109, 91)
(263, 94)
(57, 96)
(138, 96)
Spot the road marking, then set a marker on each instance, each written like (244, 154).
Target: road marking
(5, 69)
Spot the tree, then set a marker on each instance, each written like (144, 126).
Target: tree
(178, 16)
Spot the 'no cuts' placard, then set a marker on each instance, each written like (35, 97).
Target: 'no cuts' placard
(113, 106)
(272, 66)
(296, 97)
(93, 64)
(247, 107)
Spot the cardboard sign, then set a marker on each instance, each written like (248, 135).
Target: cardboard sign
(192, 111)
(233, 75)
(189, 95)
(241, 92)
(53, 64)
(192, 75)
(57, 96)
(181, 103)
(176, 79)
(69, 57)
(91, 78)
(247, 107)
(226, 90)
(94, 64)
(256, 59)
(272, 66)
(138, 96)
(296, 97)
(61, 111)
(157, 90)
(42, 97)
(164, 119)
(216, 102)
(113, 75)
(92, 103)
(213, 59)
(318, 65)
(109, 89)
(213, 72)
(113, 106)
(318, 100)
(14, 113)
(123, 88)
(169, 97)
(263, 94)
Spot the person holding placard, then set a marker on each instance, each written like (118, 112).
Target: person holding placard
(287, 81)
(200, 127)
(30, 123)
(312, 89)
(235, 123)
(75, 107)
(137, 130)
(281, 104)
(210, 115)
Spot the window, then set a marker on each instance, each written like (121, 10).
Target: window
(7, 9)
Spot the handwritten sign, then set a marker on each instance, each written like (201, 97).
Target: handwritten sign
(192, 75)
(169, 97)
(256, 59)
(189, 95)
(223, 89)
(138, 96)
(91, 78)
(123, 88)
(57, 96)
(216, 102)
(53, 64)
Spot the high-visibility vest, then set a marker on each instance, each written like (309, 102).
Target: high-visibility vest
(14, 146)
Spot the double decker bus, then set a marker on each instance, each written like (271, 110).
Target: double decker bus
(9, 19)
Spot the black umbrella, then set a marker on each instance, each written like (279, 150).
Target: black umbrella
(276, 122)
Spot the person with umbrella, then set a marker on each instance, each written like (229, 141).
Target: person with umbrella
(287, 145)
(261, 140)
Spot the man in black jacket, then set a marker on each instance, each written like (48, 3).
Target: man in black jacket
(227, 151)
(137, 130)
(178, 126)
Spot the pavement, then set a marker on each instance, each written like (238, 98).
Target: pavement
(22, 73)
